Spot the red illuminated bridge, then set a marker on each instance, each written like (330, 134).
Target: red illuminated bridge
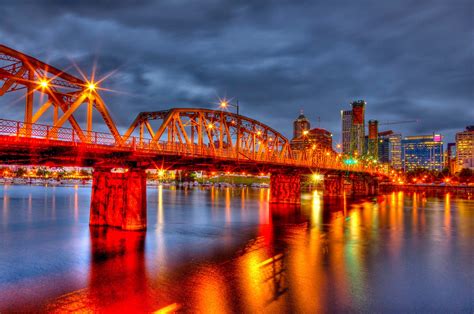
(179, 138)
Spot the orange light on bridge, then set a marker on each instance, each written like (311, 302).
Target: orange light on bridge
(258, 132)
(210, 125)
(44, 83)
(224, 104)
(91, 86)
(305, 132)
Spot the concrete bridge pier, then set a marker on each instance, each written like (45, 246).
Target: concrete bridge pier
(364, 186)
(119, 199)
(333, 185)
(285, 188)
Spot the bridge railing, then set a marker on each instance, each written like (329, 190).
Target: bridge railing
(21, 130)
(17, 130)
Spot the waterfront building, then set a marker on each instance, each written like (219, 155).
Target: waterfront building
(395, 150)
(353, 129)
(372, 140)
(425, 151)
(450, 158)
(357, 128)
(346, 118)
(316, 138)
(300, 125)
(465, 148)
(384, 147)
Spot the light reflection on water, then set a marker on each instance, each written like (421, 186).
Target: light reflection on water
(228, 250)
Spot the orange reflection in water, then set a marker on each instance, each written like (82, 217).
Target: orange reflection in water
(447, 214)
(209, 291)
(117, 278)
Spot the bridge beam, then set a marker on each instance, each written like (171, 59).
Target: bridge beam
(119, 199)
(285, 188)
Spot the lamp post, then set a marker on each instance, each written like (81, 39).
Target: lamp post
(225, 103)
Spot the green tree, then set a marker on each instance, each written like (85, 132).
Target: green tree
(20, 172)
(466, 175)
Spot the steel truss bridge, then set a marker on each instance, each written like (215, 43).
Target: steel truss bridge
(53, 134)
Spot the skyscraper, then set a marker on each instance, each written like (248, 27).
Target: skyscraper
(450, 158)
(395, 151)
(384, 146)
(465, 148)
(346, 118)
(358, 128)
(425, 151)
(372, 143)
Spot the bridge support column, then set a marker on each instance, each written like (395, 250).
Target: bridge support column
(119, 199)
(285, 188)
(333, 185)
(364, 186)
(359, 187)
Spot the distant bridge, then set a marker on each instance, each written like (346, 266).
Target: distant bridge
(178, 138)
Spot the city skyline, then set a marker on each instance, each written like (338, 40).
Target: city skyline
(248, 52)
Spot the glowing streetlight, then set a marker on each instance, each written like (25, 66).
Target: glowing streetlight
(305, 132)
(210, 125)
(225, 103)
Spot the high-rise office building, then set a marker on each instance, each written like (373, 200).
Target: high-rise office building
(346, 118)
(358, 128)
(424, 151)
(384, 146)
(465, 148)
(395, 150)
(450, 158)
(372, 140)
(353, 129)
(300, 125)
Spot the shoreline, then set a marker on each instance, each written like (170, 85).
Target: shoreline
(463, 191)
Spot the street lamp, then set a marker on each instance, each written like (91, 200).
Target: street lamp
(225, 103)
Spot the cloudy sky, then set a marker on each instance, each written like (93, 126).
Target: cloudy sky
(407, 59)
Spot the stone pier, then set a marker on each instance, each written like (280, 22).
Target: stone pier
(364, 186)
(285, 188)
(333, 185)
(119, 199)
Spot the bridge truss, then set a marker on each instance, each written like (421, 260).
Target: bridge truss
(46, 87)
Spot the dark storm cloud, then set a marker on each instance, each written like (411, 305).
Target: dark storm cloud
(408, 59)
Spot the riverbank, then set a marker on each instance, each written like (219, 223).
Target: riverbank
(463, 191)
(150, 182)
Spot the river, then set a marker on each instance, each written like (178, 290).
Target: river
(227, 250)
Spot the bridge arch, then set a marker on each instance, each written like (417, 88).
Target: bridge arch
(216, 130)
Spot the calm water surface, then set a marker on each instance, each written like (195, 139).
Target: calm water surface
(225, 250)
